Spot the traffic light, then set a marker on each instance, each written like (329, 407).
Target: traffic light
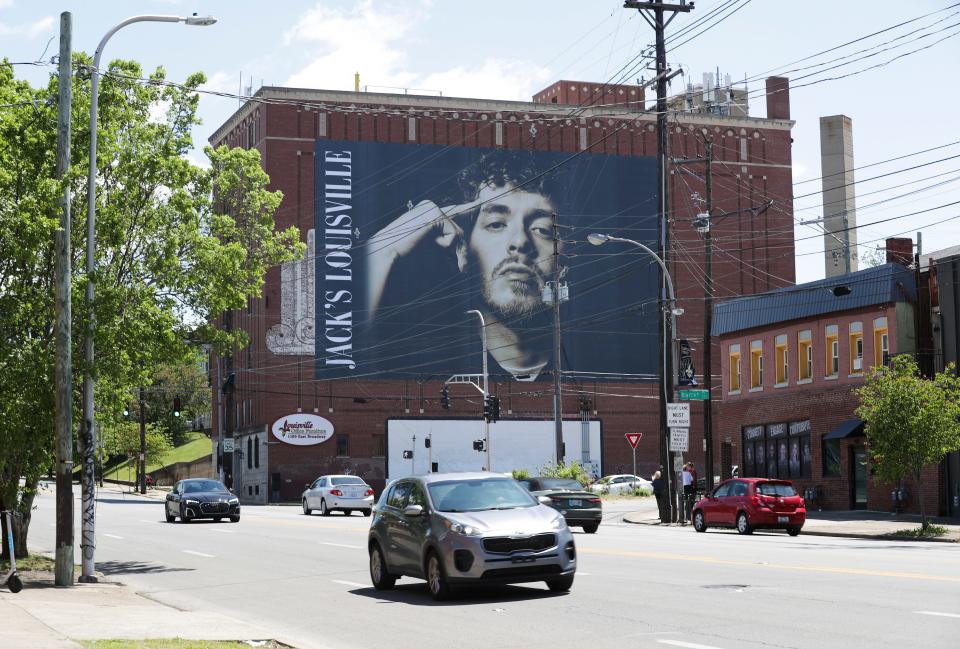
(176, 406)
(491, 408)
(478, 445)
(426, 442)
(445, 398)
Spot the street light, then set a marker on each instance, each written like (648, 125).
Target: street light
(87, 532)
(600, 239)
(486, 391)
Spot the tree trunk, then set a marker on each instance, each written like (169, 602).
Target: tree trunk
(21, 524)
(924, 523)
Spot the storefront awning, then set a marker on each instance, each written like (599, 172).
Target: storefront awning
(848, 428)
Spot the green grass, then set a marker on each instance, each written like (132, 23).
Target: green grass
(32, 562)
(197, 447)
(921, 533)
(178, 643)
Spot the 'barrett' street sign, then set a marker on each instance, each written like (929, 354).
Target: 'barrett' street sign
(694, 395)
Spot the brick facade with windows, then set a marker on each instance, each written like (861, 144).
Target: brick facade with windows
(799, 423)
(752, 254)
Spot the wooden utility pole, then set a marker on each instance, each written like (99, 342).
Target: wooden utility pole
(141, 458)
(63, 569)
(557, 347)
(653, 13)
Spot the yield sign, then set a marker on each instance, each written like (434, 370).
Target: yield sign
(633, 438)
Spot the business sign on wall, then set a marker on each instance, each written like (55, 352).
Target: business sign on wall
(302, 429)
(410, 236)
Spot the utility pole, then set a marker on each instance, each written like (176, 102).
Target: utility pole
(656, 10)
(141, 459)
(557, 398)
(228, 407)
(708, 325)
(704, 223)
(63, 569)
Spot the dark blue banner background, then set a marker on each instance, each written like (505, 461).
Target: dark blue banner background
(420, 329)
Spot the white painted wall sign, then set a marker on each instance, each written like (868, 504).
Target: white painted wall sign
(302, 429)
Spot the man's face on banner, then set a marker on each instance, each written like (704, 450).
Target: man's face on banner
(512, 248)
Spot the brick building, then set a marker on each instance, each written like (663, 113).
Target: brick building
(276, 375)
(791, 359)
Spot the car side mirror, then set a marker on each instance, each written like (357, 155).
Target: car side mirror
(545, 500)
(306, 487)
(170, 496)
(413, 511)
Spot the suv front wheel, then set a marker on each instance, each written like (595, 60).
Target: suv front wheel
(437, 578)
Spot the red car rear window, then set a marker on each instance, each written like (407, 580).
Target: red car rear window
(781, 489)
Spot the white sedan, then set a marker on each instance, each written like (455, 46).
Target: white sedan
(338, 492)
(621, 483)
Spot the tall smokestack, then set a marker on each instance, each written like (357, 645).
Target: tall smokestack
(839, 201)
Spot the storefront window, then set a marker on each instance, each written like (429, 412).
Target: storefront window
(831, 458)
(778, 450)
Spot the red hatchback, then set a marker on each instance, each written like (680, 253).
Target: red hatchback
(751, 503)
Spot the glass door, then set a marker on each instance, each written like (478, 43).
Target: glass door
(858, 477)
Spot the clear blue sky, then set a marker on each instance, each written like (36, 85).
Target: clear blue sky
(509, 50)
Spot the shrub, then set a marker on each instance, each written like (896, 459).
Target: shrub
(520, 474)
(574, 471)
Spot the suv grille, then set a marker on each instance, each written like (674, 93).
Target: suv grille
(506, 544)
(214, 508)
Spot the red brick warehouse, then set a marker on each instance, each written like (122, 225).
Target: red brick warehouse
(751, 254)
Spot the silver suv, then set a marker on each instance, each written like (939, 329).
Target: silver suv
(459, 528)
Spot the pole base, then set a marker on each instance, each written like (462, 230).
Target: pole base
(87, 579)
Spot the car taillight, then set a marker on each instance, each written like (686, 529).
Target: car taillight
(368, 492)
(757, 502)
(336, 492)
(593, 501)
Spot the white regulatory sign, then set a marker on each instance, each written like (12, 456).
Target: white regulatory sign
(227, 445)
(680, 439)
(678, 415)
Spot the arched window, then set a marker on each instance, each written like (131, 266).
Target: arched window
(249, 452)
(256, 451)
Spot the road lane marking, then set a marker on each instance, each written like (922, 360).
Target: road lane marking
(350, 583)
(217, 529)
(780, 566)
(145, 521)
(584, 574)
(688, 645)
(937, 613)
(199, 554)
(113, 536)
(341, 545)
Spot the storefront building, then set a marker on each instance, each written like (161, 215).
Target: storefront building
(791, 360)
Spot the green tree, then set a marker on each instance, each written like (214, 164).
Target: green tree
(122, 438)
(573, 471)
(911, 421)
(178, 245)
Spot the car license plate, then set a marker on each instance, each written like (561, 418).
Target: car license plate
(575, 502)
(783, 519)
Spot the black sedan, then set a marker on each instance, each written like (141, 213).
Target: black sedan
(201, 498)
(579, 507)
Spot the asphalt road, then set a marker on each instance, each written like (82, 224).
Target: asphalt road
(637, 586)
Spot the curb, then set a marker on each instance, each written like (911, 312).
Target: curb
(847, 535)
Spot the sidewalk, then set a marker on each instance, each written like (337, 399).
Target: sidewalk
(42, 616)
(852, 524)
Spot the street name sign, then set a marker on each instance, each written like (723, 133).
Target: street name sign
(678, 415)
(633, 439)
(694, 395)
(680, 439)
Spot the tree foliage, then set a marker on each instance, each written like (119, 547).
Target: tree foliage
(178, 245)
(911, 421)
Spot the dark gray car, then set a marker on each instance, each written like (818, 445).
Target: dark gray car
(463, 528)
(201, 498)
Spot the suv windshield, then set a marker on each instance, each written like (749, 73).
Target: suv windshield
(196, 486)
(560, 483)
(775, 489)
(347, 480)
(479, 495)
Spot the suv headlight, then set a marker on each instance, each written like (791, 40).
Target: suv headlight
(558, 523)
(190, 501)
(461, 528)
(234, 501)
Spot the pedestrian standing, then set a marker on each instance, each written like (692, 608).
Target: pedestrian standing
(660, 493)
(688, 482)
